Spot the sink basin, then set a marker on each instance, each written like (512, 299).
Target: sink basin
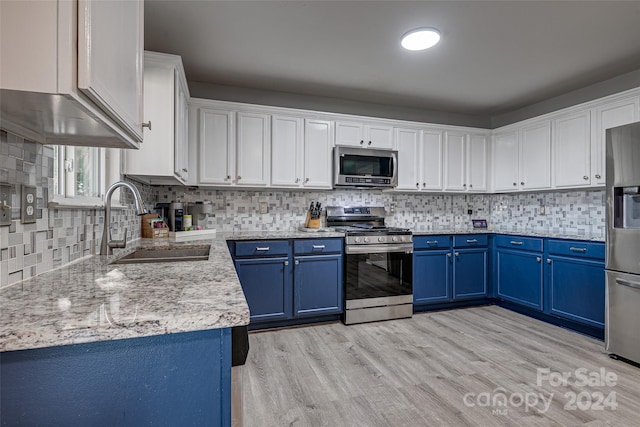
(166, 254)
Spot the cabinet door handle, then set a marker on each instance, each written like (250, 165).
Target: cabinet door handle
(263, 249)
(286, 263)
(369, 143)
(586, 178)
(548, 261)
(628, 283)
(296, 262)
(457, 254)
(582, 250)
(306, 180)
(538, 259)
(515, 185)
(449, 254)
(184, 170)
(424, 184)
(598, 176)
(239, 178)
(228, 177)
(317, 246)
(470, 185)
(472, 240)
(147, 125)
(297, 180)
(361, 142)
(417, 184)
(513, 242)
(522, 183)
(464, 185)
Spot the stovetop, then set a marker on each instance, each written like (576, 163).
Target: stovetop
(367, 230)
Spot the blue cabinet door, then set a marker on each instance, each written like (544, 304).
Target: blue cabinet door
(519, 277)
(576, 289)
(266, 283)
(470, 273)
(318, 285)
(431, 276)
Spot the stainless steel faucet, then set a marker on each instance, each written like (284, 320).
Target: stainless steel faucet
(107, 245)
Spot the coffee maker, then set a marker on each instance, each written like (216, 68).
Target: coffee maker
(173, 214)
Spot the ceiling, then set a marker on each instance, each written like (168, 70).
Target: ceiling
(494, 56)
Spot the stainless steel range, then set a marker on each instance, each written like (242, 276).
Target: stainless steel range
(378, 265)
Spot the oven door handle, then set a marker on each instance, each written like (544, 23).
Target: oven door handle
(378, 249)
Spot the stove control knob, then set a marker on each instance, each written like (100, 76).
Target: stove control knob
(357, 240)
(366, 240)
(394, 239)
(380, 239)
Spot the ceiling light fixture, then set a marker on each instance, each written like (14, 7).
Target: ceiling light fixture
(420, 38)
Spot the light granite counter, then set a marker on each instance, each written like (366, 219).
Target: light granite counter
(549, 235)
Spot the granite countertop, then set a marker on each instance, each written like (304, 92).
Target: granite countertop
(92, 300)
(549, 234)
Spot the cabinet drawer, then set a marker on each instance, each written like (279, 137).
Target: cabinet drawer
(262, 248)
(518, 242)
(576, 248)
(431, 242)
(317, 246)
(470, 240)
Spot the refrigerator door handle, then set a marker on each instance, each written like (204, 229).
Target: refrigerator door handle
(628, 283)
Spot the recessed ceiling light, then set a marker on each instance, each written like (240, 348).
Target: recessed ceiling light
(420, 39)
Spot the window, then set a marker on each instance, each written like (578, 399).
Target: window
(79, 175)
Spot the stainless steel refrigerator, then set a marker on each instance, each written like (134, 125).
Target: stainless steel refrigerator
(622, 323)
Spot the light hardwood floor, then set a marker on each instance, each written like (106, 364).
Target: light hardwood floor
(416, 372)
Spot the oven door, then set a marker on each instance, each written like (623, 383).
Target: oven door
(383, 271)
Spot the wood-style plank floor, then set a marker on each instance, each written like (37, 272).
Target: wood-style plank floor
(417, 372)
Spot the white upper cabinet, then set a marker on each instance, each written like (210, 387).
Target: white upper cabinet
(318, 142)
(477, 157)
(166, 98)
(217, 146)
(535, 156)
(572, 150)
(408, 146)
(368, 135)
(431, 161)
(287, 155)
(608, 115)
(454, 162)
(505, 161)
(253, 148)
(75, 77)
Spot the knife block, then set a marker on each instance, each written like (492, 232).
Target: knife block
(311, 223)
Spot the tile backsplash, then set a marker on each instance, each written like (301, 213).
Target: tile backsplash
(59, 236)
(574, 212)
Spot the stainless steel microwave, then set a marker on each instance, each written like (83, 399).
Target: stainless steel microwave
(365, 167)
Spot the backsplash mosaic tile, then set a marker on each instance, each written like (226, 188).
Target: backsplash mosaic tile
(59, 236)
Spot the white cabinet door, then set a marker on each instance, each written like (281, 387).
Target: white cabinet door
(431, 161)
(535, 157)
(217, 147)
(253, 149)
(318, 137)
(110, 58)
(572, 150)
(379, 136)
(181, 129)
(350, 133)
(477, 153)
(505, 161)
(454, 162)
(286, 151)
(408, 146)
(610, 115)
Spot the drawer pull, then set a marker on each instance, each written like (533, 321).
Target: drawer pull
(262, 249)
(548, 261)
(513, 242)
(472, 240)
(286, 263)
(628, 283)
(317, 246)
(583, 250)
(432, 242)
(538, 259)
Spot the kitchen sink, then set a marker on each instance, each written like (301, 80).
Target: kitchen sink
(166, 254)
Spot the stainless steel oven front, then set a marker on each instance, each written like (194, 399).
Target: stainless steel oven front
(378, 281)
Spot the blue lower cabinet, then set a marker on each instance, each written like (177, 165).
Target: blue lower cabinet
(181, 379)
(519, 277)
(576, 289)
(431, 276)
(266, 283)
(470, 273)
(317, 285)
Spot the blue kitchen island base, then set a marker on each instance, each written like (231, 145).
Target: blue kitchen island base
(181, 379)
